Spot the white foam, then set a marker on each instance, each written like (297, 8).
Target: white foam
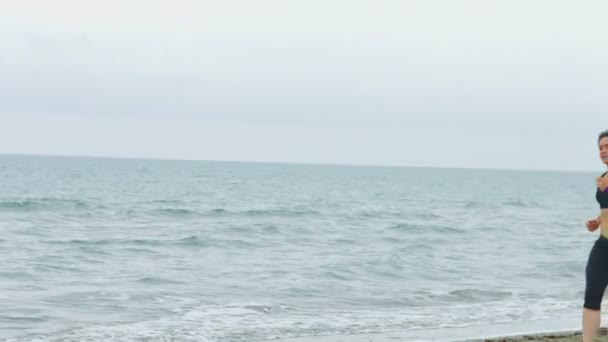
(253, 321)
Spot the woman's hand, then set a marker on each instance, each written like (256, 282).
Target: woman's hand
(601, 183)
(594, 224)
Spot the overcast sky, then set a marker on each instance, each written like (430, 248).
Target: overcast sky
(515, 84)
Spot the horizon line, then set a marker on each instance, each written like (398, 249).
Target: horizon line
(52, 155)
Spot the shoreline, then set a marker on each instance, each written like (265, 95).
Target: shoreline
(556, 330)
(571, 336)
(560, 336)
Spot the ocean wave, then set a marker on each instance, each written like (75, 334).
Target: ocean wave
(190, 212)
(95, 242)
(33, 204)
(479, 295)
(375, 214)
(480, 205)
(408, 227)
(498, 205)
(240, 322)
(280, 212)
(426, 228)
(518, 204)
(17, 275)
(175, 212)
(168, 201)
(22, 319)
(158, 281)
(469, 295)
(192, 240)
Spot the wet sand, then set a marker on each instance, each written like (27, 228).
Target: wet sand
(558, 337)
(572, 336)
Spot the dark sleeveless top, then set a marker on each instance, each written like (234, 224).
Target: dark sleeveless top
(602, 196)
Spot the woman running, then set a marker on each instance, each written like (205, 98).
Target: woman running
(597, 265)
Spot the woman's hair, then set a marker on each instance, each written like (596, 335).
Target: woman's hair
(603, 134)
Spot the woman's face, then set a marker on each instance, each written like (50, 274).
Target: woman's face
(604, 150)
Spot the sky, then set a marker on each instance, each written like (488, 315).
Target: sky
(507, 84)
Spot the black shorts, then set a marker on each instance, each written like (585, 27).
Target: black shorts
(596, 274)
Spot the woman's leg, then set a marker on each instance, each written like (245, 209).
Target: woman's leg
(591, 324)
(595, 285)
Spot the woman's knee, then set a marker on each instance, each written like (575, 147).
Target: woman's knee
(593, 301)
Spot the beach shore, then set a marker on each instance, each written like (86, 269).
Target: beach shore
(574, 336)
(562, 336)
(546, 337)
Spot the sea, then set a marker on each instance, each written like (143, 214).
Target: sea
(102, 249)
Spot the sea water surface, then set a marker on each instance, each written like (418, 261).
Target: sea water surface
(150, 250)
